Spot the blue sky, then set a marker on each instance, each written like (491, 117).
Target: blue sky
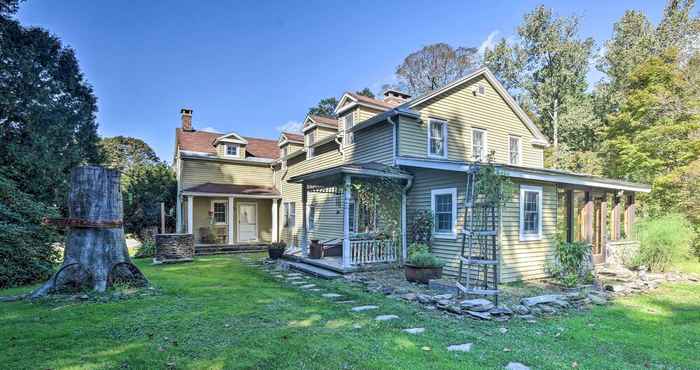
(254, 67)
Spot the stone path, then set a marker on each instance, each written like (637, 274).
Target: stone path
(516, 366)
(466, 347)
(386, 317)
(414, 330)
(364, 308)
(331, 295)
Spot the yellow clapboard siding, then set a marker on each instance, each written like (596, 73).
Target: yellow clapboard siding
(196, 172)
(372, 145)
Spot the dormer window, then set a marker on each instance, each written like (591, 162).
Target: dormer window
(232, 150)
(348, 123)
(310, 138)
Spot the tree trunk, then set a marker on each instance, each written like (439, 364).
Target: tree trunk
(95, 256)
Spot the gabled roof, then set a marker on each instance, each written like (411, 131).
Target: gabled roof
(312, 121)
(203, 142)
(349, 100)
(231, 137)
(289, 137)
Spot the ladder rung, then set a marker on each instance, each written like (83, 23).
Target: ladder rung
(477, 291)
(480, 232)
(477, 261)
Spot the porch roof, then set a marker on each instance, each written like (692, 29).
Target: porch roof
(334, 175)
(226, 190)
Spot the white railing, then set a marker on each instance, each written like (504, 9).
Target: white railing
(373, 251)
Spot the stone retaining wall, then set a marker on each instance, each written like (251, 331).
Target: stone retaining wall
(621, 252)
(174, 248)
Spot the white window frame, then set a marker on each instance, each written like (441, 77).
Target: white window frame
(520, 149)
(310, 137)
(354, 219)
(453, 193)
(444, 138)
(238, 148)
(311, 217)
(532, 189)
(213, 214)
(348, 137)
(290, 214)
(485, 149)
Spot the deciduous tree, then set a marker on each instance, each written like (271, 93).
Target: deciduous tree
(122, 152)
(434, 66)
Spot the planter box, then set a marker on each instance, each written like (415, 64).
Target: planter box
(422, 274)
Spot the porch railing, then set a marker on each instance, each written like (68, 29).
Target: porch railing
(373, 251)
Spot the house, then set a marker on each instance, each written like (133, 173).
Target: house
(240, 191)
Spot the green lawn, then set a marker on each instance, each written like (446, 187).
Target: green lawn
(219, 313)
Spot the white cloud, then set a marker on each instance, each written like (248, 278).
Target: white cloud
(489, 43)
(290, 126)
(211, 129)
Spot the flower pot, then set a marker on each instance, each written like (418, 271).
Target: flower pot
(275, 253)
(315, 250)
(422, 275)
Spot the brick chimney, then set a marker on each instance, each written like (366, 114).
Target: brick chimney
(397, 97)
(186, 119)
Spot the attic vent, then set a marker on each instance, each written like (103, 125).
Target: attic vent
(479, 90)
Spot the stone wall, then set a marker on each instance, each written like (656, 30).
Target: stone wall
(174, 248)
(621, 252)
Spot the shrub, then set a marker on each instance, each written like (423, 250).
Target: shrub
(147, 249)
(28, 251)
(420, 256)
(421, 228)
(571, 264)
(278, 245)
(663, 240)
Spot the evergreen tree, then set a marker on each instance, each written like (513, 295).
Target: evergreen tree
(324, 108)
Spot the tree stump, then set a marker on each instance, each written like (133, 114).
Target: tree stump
(95, 255)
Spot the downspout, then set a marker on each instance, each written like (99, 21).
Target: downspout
(404, 242)
(394, 139)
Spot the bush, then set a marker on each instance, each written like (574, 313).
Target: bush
(27, 248)
(421, 228)
(571, 264)
(663, 240)
(147, 249)
(420, 256)
(278, 245)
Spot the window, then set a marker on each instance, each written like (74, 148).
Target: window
(232, 150)
(349, 136)
(289, 215)
(362, 219)
(514, 150)
(437, 138)
(310, 138)
(219, 212)
(443, 203)
(351, 216)
(311, 217)
(530, 212)
(479, 145)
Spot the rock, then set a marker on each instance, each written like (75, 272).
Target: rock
(443, 286)
(414, 330)
(479, 315)
(307, 286)
(547, 309)
(597, 300)
(386, 317)
(560, 303)
(527, 317)
(466, 347)
(364, 308)
(521, 310)
(541, 299)
(535, 310)
(477, 305)
(451, 308)
(424, 298)
(409, 297)
(516, 366)
(503, 330)
(331, 295)
(294, 274)
(501, 311)
(387, 290)
(440, 297)
(443, 302)
(298, 282)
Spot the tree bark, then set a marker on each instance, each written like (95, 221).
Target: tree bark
(94, 257)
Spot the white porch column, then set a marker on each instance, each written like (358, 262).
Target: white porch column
(275, 226)
(346, 221)
(230, 219)
(190, 214)
(404, 244)
(304, 225)
(178, 213)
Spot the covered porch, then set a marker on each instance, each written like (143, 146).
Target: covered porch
(225, 217)
(364, 240)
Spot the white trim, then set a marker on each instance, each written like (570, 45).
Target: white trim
(453, 193)
(200, 194)
(275, 222)
(485, 138)
(230, 215)
(255, 161)
(531, 189)
(213, 215)
(355, 102)
(257, 221)
(444, 137)
(520, 149)
(227, 138)
(190, 214)
(310, 218)
(238, 150)
(539, 138)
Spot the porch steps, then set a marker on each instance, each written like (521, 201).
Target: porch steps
(313, 270)
(210, 250)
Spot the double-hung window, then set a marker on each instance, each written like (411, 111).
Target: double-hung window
(219, 212)
(514, 150)
(349, 136)
(289, 215)
(311, 217)
(479, 145)
(443, 204)
(232, 150)
(309, 142)
(530, 212)
(437, 138)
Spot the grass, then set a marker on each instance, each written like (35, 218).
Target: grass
(219, 313)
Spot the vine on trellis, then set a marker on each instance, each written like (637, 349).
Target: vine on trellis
(382, 197)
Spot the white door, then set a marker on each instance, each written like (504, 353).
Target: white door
(247, 222)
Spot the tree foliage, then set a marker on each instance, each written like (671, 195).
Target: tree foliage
(365, 92)
(144, 187)
(122, 152)
(324, 108)
(434, 66)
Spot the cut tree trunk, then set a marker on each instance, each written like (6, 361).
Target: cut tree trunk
(95, 255)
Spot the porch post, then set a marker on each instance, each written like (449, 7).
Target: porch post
(601, 228)
(630, 210)
(230, 219)
(275, 231)
(304, 226)
(588, 218)
(190, 213)
(569, 215)
(615, 222)
(346, 221)
(404, 245)
(178, 213)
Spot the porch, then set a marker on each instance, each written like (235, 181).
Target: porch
(367, 240)
(226, 218)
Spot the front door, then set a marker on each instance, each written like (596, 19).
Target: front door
(247, 222)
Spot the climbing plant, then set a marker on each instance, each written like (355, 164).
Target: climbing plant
(492, 185)
(382, 198)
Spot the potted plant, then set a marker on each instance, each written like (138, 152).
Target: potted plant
(315, 249)
(276, 250)
(422, 266)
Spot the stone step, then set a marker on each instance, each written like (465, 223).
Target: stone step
(227, 249)
(313, 270)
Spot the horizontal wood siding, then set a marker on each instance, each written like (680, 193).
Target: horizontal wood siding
(372, 145)
(463, 111)
(365, 113)
(202, 206)
(196, 172)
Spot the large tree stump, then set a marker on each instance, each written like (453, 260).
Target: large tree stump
(95, 255)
